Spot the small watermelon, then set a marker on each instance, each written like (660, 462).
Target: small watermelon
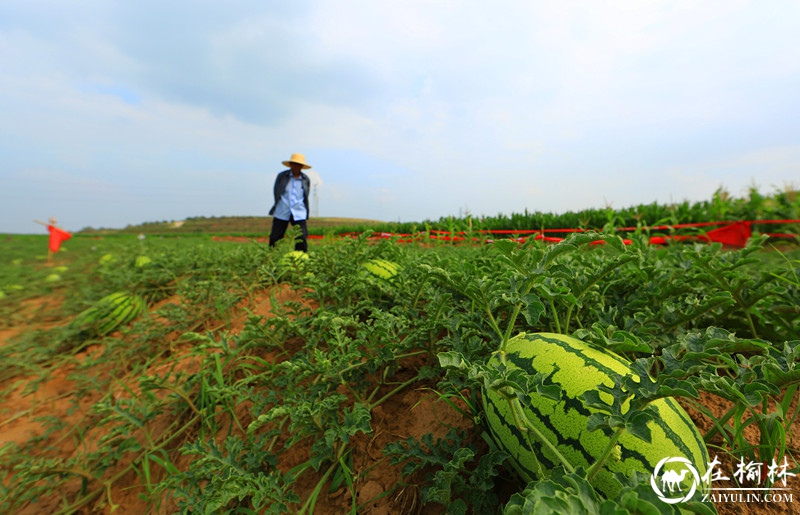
(142, 261)
(382, 268)
(293, 260)
(578, 367)
(294, 264)
(109, 313)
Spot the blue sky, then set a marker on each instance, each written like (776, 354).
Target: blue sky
(117, 113)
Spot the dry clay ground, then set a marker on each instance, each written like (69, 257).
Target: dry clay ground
(380, 487)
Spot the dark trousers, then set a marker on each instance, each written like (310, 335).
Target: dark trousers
(279, 229)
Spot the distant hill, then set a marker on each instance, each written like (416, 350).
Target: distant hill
(235, 225)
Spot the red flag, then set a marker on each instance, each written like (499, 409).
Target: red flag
(735, 234)
(56, 237)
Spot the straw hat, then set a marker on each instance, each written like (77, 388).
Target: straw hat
(299, 159)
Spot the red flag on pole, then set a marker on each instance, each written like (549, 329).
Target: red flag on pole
(56, 237)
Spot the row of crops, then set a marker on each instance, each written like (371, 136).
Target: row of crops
(275, 415)
(780, 204)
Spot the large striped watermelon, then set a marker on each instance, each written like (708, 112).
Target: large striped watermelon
(578, 367)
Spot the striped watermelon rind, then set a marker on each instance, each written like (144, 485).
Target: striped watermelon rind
(292, 261)
(294, 264)
(109, 313)
(382, 268)
(577, 367)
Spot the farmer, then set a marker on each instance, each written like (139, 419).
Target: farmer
(291, 201)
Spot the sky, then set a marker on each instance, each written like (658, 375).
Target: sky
(121, 112)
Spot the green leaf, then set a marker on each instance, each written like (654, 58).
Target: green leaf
(533, 308)
(637, 425)
(560, 493)
(453, 359)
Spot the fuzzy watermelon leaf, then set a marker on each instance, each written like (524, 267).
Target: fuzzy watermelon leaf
(507, 248)
(533, 308)
(616, 340)
(751, 394)
(616, 415)
(560, 493)
(781, 367)
(453, 359)
(597, 420)
(638, 497)
(637, 424)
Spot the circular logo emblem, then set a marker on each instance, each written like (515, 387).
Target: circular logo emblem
(667, 485)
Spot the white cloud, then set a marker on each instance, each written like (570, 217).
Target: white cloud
(407, 109)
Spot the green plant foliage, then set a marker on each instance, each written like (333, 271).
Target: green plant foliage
(457, 483)
(205, 403)
(228, 478)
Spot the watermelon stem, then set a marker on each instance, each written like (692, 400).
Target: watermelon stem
(512, 319)
(568, 317)
(523, 424)
(399, 388)
(511, 322)
(419, 292)
(612, 442)
(718, 423)
(496, 326)
(555, 316)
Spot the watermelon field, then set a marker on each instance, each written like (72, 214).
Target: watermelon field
(201, 374)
